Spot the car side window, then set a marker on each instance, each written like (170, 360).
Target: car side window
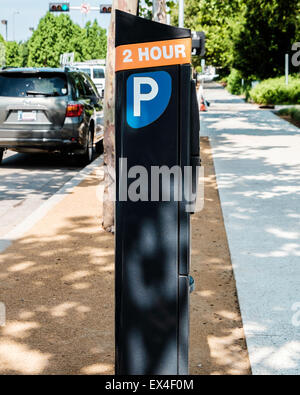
(79, 87)
(88, 88)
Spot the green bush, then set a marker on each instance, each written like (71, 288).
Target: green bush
(275, 91)
(234, 82)
(293, 112)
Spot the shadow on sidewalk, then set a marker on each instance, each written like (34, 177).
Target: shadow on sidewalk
(57, 285)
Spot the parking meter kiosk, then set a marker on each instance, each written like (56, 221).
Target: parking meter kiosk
(157, 129)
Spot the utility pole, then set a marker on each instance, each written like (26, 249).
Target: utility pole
(181, 13)
(109, 116)
(4, 22)
(159, 11)
(14, 14)
(287, 60)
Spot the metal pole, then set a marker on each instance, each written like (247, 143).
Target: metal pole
(4, 22)
(181, 14)
(14, 14)
(287, 69)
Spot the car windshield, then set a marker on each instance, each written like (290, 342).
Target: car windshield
(99, 73)
(87, 71)
(25, 84)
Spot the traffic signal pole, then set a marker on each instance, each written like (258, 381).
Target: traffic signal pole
(181, 13)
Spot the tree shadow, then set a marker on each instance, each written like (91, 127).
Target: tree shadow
(57, 285)
(256, 157)
(217, 343)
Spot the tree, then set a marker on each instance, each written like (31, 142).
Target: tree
(53, 36)
(219, 20)
(109, 115)
(59, 34)
(2, 51)
(94, 45)
(13, 55)
(267, 34)
(24, 53)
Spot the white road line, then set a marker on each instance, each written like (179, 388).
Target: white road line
(39, 213)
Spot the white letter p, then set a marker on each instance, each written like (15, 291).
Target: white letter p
(139, 97)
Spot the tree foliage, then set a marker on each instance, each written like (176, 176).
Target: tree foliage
(12, 54)
(266, 35)
(219, 20)
(250, 35)
(2, 51)
(56, 35)
(94, 43)
(146, 8)
(59, 34)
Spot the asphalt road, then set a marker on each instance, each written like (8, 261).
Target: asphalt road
(26, 181)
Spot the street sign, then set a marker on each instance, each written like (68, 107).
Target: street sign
(159, 53)
(144, 106)
(85, 8)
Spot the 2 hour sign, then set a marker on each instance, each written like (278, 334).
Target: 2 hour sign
(153, 54)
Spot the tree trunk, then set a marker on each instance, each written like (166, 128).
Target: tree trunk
(160, 11)
(109, 117)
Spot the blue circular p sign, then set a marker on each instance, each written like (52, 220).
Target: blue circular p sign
(148, 96)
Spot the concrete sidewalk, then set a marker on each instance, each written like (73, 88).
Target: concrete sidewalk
(57, 283)
(257, 163)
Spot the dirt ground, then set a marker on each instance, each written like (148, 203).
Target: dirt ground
(217, 339)
(58, 286)
(290, 119)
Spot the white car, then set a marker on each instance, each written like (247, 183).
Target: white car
(96, 71)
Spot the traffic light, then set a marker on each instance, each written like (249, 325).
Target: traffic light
(59, 7)
(105, 9)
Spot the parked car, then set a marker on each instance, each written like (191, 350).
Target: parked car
(50, 110)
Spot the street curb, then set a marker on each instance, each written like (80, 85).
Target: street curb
(38, 214)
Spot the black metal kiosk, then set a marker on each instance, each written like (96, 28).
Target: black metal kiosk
(157, 129)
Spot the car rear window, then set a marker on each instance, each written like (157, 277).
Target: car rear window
(99, 73)
(28, 84)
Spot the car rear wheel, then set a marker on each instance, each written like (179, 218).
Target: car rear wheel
(99, 147)
(1, 154)
(88, 154)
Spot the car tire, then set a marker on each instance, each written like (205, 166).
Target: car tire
(1, 154)
(100, 147)
(88, 155)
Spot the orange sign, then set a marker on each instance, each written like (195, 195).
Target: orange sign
(154, 54)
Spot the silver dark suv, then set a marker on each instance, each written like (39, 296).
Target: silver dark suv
(49, 110)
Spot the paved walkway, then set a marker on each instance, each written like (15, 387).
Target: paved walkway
(257, 162)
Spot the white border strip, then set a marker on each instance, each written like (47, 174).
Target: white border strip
(38, 214)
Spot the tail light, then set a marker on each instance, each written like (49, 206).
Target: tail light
(74, 110)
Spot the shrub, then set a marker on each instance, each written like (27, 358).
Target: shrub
(275, 91)
(234, 82)
(293, 112)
